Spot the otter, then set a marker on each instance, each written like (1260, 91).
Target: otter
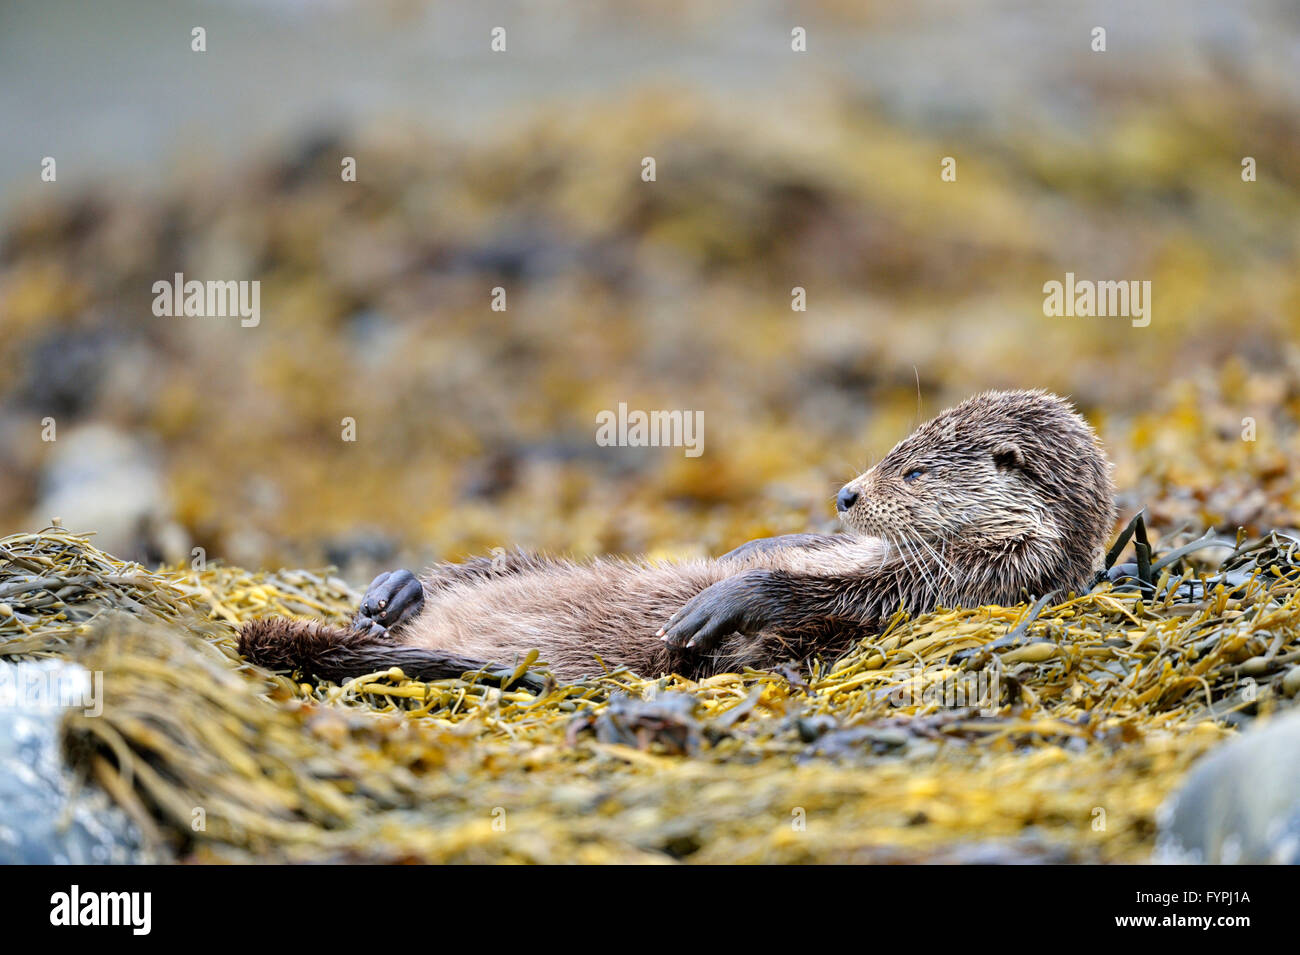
(1004, 497)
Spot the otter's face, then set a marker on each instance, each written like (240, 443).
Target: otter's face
(958, 477)
(977, 493)
(1016, 477)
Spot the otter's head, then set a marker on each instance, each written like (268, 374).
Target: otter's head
(1016, 473)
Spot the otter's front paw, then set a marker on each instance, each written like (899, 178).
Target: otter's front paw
(734, 605)
(391, 599)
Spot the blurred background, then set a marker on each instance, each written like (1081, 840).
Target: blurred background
(476, 428)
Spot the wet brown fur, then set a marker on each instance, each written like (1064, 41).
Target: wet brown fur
(1013, 499)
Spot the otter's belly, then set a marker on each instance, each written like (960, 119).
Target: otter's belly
(576, 617)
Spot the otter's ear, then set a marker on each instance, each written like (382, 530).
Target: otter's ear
(1007, 456)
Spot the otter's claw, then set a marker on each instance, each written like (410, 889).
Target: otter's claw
(730, 606)
(391, 599)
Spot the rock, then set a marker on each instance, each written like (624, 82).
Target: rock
(64, 371)
(1241, 804)
(42, 822)
(99, 479)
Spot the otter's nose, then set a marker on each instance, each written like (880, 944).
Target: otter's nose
(845, 499)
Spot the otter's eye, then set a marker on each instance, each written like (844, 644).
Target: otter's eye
(913, 474)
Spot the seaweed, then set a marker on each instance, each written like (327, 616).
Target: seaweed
(938, 740)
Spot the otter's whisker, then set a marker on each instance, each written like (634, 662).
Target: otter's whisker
(944, 567)
(893, 545)
(941, 570)
(934, 577)
(920, 563)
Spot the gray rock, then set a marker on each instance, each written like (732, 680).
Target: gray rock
(42, 822)
(1241, 804)
(98, 479)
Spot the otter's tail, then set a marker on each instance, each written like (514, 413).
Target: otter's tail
(330, 653)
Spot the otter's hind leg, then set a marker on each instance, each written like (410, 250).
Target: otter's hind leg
(330, 653)
(391, 600)
(390, 603)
